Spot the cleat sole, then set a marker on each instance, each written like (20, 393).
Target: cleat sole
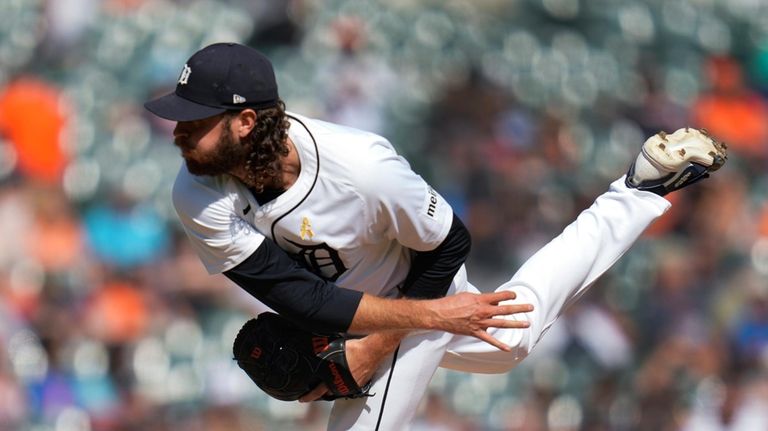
(672, 152)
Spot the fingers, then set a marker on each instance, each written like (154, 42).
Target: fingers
(503, 310)
(500, 323)
(496, 297)
(504, 323)
(314, 394)
(492, 341)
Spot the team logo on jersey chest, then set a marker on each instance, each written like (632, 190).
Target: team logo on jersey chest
(321, 259)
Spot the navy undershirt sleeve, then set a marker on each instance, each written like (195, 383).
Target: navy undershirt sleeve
(278, 281)
(432, 271)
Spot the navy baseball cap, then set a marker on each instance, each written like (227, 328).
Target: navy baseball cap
(218, 78)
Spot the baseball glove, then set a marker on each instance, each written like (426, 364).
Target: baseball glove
(286, 362)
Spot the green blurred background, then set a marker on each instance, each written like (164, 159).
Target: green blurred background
(519, 112)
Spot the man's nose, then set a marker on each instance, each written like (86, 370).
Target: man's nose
(180, 130)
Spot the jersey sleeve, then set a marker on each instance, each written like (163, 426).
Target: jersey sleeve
(221, 238)
(432, 272)
(278, 281)
(400, 204)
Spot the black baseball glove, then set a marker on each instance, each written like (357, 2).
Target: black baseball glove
(286, 362)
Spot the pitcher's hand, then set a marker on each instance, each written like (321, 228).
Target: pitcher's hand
(472, 314)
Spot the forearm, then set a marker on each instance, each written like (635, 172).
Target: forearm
(430, 276)
(383, 343)
(464, 313)
(381, 314)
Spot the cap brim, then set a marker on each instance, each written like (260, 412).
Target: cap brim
(175, 108)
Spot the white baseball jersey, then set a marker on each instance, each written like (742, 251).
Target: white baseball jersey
(352, 214)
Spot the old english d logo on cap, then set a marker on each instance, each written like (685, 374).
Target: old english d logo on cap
(184, 77)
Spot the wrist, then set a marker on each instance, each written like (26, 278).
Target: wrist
(382, 343)
(429, 313)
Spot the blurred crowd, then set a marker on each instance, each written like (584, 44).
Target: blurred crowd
(519, 112)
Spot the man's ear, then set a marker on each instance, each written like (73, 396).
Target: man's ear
(246, 122)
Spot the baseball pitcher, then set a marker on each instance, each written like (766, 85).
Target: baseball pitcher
(360, 258)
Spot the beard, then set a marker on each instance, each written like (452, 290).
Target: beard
(229, 155)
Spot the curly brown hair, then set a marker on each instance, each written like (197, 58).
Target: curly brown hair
(268, 142)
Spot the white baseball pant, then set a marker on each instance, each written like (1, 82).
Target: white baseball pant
(551, 279)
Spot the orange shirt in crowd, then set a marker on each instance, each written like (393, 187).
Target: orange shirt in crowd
(33, 118)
